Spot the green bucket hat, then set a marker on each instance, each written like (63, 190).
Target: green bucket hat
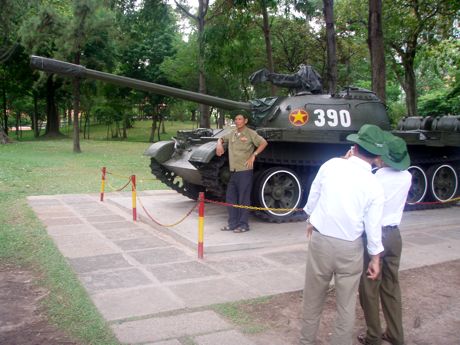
(397, 156)
(370, 138)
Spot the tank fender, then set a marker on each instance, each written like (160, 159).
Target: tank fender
(204, 153)
(161, 151)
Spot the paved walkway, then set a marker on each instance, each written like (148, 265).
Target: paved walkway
(147, 282)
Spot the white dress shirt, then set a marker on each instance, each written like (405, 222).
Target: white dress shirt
(395, 185)
(346, 199)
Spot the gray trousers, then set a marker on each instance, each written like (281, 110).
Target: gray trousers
(329, 257)
(385, 290)
(239, 193)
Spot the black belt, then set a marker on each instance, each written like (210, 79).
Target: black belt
(389, 227)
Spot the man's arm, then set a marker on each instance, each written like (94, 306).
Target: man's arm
(220, 147)
(250, 162)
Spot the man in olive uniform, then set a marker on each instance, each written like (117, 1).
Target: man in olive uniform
(396, 182)
(244, 145)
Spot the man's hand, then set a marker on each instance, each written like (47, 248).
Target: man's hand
(219, 148)
(250, 162)
(309, 230)
(373, 269)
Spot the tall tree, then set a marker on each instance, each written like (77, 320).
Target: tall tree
(199, 18)
(38, 34)
(409, 24)
(86, 37)
(376, 49)
(331, 46)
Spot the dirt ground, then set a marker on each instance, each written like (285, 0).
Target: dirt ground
(431, 302)
(22, 321)
(431, 310)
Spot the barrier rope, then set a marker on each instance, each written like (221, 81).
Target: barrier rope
(252, 208)
(121, 188)
(167, 225)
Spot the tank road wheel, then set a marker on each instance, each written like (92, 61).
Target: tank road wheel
(278, 188)
(419, 185)
(443, 182)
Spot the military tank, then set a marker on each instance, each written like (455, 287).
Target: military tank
(303, 131)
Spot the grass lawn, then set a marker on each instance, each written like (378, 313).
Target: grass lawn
(43, 167)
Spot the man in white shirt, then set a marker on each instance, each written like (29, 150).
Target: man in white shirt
(396, 182)
(345, 200)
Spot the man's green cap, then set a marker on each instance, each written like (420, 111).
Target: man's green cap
(370, 138)
(397, 156)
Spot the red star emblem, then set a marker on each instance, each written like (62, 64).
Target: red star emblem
(298, 117)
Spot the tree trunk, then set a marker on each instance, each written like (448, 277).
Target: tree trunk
(204, 109)
(153, 129)
(5, 113)
(3, 137)
(35, 116)
(52, 115)
(76, 113)
(268, 43)
(331, 74)
(410, 86)
(376, 49)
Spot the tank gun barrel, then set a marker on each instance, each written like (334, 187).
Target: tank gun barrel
(72, 70)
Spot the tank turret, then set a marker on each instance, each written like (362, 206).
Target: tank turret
(303, 130)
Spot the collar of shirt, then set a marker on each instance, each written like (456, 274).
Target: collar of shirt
(360, 162)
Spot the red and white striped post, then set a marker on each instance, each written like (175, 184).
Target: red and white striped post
(103, 183)
(200, 225)
(133, 189)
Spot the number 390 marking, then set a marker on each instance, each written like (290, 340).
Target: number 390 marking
(331, 118)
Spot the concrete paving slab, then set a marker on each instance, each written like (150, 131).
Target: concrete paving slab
(168, 327)
(136, 302)
(104, 218)
(83, 244)
(292, 257)
(242, 263)
(126, 234)
(272, 282)
(57, 230)
(141, 243)
(422, 239)
(62, 221)
(182, 271)
(99, 262)
(212, 291)
(97, 281)
(108, 226)
(223, 338)
(452, 233)
(159, 256)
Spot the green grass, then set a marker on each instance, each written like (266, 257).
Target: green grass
(44, 167)
(236, 314)
(140, 132)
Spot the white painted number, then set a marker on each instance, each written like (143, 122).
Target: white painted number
(343, 118)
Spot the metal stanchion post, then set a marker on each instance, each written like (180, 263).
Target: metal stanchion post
(103, 183)
(133, 188)
(200, 225)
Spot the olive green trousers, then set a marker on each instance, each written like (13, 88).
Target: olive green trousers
(385, 290)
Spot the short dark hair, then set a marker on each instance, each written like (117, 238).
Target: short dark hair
(364, 152)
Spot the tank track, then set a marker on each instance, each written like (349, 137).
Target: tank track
(168, 178)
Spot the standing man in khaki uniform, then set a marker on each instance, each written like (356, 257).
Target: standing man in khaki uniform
(345, 200)
(244, 145)
(396, 182)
